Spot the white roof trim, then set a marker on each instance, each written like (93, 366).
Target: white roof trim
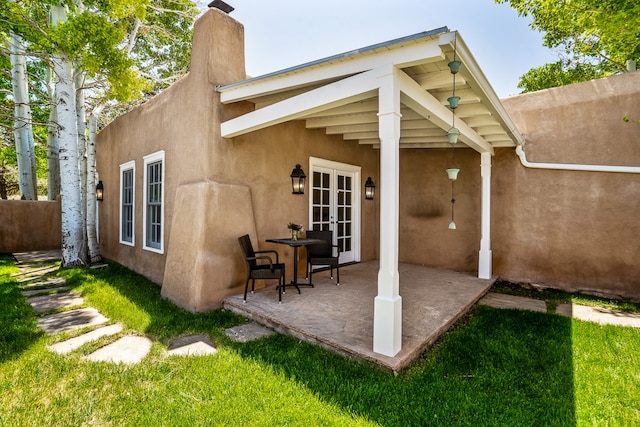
(340, 93)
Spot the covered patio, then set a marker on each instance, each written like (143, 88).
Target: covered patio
(340, 318)
(400, 94)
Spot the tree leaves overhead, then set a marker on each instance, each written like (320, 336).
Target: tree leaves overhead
(558, 74)
(126, 50)
(602, 33)
(98, 35)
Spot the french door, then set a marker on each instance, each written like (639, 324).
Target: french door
(335, 204)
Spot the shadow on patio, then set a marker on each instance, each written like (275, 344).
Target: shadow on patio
(340, 318)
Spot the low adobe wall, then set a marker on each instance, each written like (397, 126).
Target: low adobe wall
(29, 225)
(568, 229)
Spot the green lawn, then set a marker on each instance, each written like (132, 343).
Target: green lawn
(497, 367)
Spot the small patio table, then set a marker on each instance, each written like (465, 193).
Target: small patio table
(295, 244)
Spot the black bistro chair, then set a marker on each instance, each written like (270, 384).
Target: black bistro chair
(260, 266)
(323, 254)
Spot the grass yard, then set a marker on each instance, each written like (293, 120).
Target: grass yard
(496, 368)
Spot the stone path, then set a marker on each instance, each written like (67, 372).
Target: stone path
(75, 343)
(63, 311)
(601, 315)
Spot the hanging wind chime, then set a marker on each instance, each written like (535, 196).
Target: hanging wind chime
(453, 133)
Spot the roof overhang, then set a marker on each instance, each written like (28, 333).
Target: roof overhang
(340, 94)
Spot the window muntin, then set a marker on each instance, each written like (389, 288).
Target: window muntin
(127, 199)
(154, 202)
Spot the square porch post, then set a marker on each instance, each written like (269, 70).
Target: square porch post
(387, 313)
(485, 255)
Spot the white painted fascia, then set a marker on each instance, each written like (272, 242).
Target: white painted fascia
(416, 52)
(352, 89)
(476, 79)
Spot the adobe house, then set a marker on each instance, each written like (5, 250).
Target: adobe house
(209, 160)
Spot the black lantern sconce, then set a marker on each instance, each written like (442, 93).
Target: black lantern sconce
(297, 180)
(369, 189)
(99, 191)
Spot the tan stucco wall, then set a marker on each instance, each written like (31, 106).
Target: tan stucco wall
(184, 122)
(571, 230)
(425, 209)
(29, 225)
(179, 121)
(575, 230)
(567, 229)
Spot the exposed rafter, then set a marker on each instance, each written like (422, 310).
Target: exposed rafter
(340, 95)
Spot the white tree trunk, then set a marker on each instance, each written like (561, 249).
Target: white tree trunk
(82, 151)
(22, 128)
(92, 236)
(53, 162)
(72, 226)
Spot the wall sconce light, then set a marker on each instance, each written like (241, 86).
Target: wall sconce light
(369, 189)
(99, 191)
(297, 180)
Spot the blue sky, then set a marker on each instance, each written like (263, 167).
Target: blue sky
(284, 33)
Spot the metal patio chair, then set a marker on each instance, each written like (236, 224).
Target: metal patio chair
(261, 266)
(323, 254)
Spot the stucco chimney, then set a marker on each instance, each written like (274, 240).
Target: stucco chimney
(218, 48)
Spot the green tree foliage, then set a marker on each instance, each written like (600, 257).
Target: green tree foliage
(558, 74)
(128, 50)
(598, 38)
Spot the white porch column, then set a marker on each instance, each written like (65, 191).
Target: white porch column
(485, 260)
(387, 313)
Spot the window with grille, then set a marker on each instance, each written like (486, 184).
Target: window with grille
(127, 189)
(154, 198)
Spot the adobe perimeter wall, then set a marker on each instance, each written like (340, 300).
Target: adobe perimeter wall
(29, 225)
(574, 230)
(565, 229)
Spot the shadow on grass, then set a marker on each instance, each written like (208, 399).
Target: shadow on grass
(150, 313)
(18, 322)
(500, 367)
(497, 367)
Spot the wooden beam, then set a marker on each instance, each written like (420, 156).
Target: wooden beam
(351, 89)
(428, 106)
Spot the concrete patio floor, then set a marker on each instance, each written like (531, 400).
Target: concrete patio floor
(340, 318)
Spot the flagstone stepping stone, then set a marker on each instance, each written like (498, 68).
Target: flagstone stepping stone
(54, 301)
(192, 345)
(33, 270)
(38, 256)
(248, 332)
(45, 283)
(35, 275)
(604, 316)
(71, 320)
(497, 300)
(129, 350)
(41, 291)
(74, 343)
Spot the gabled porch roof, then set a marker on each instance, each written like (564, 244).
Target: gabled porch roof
(390, 96)
(341, 94)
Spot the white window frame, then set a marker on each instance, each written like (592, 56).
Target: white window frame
(158, 156)
(131, 165)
